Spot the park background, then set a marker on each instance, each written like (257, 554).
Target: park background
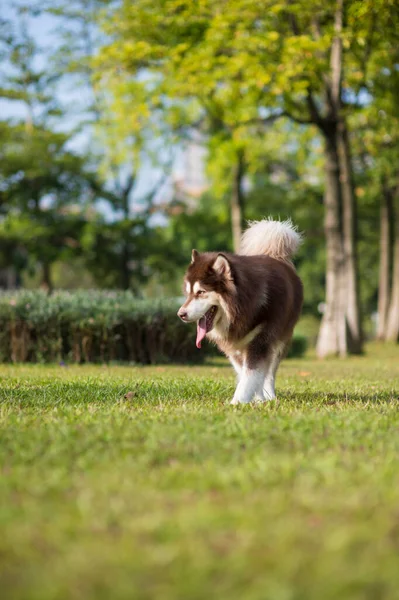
(132, 132)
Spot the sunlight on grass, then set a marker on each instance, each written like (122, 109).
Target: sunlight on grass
(122, 482)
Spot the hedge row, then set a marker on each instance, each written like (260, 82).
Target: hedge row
(97, 326)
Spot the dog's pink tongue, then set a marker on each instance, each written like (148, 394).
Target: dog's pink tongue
(201, 331)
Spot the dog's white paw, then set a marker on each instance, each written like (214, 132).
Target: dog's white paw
(237, 401)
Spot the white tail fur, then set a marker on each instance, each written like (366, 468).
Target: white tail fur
(278, 239)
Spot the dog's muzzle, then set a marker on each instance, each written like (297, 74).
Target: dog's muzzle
(182, 314)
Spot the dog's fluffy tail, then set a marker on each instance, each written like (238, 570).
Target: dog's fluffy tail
(278, 239)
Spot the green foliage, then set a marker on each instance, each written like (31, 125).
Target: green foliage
(45, 186)
(308, 327)
(92, 326)
(36, 163)
(145, 483)
(116, 253)
(231, 64)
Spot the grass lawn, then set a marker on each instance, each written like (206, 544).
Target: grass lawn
(143, 483)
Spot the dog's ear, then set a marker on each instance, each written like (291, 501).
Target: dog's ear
(221, 266)
(194, 255)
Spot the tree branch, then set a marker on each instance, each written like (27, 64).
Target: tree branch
(336, 60)
(263, 120)
(127, 188)
(294, 24)
(316, 117)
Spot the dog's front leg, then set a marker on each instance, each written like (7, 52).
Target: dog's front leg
(237, 363)
(250, 383)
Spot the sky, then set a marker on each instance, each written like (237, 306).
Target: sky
(43, 32)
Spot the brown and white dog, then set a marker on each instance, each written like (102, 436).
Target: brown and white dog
(248, 303)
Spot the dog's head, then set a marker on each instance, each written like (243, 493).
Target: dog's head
(208, 284)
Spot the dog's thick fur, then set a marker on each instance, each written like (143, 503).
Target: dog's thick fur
(248, 303)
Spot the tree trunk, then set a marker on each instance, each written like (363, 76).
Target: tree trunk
(237, 201)
(340, 326)
(349, 229)
(392, 330)
(125, 265)
(46, 283)
(384, 268)
(126, 257)
(332, 337)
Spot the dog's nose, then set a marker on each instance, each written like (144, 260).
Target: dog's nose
(182, 314)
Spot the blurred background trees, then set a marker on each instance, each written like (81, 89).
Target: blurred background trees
(132, 132)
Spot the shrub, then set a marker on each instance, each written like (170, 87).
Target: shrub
(97, 326)
(298, 346)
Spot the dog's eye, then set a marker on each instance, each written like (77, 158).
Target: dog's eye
(200, 292)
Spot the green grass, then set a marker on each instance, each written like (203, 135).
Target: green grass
(144, 483)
